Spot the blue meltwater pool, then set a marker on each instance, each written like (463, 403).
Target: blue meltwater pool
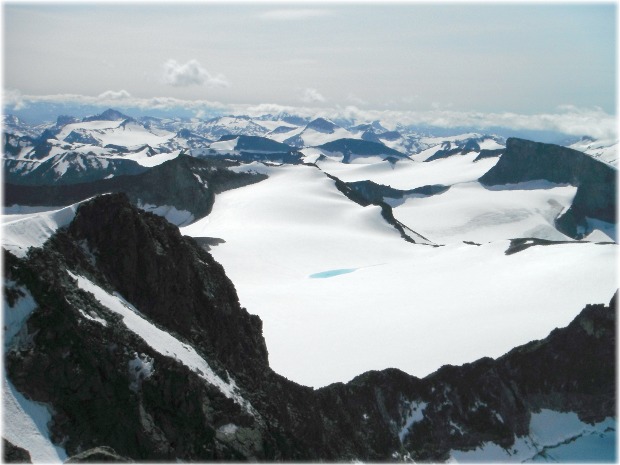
(332, 273)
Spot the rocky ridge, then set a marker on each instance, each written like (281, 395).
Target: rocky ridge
(525, 161)
(186, 183)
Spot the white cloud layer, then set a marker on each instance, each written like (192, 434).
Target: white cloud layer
(114, 95)
(190, 74)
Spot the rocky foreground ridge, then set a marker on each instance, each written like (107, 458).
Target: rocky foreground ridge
(79, 356)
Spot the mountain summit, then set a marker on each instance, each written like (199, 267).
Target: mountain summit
(108, 115)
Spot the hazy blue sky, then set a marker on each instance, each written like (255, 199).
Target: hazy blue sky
(525, 58)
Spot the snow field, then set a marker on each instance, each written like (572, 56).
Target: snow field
(409, 175)
(111, 132)
(471, 212)
(407, 306)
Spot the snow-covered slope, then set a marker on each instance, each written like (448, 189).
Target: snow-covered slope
(470, 212)
(603, 150)
(316, 132)
(33, 230)
(325, 273)
(404, 176)
(121, 133)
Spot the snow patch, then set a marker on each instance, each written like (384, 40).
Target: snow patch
(15, 315)
(228, 429)
(414, 415)
(26, 425)
(140, 368)
(601, 231)
(101, 321)
(172, 214)
(225, 145)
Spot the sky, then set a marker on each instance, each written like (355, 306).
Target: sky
(477, 58)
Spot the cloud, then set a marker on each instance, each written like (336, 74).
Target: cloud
(114, 95)
(291, 14)
(190, 74)
(355, 99)
(311, 95)
(14, 98)
(120, 99)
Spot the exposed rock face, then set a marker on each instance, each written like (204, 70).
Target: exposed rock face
(486, 153)
(374, 193)
(352, 148)
(13, 454)
(185, 183)
(322, 125)
(82, 367)
(108, 115)
(595, 181)
(525, 160)
(138, 254)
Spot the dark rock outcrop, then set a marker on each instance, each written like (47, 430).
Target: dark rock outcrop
(353, 148)
(596, 182)
(487, 153)
(369, 193)
(14, 454)
(261, 144)
(81, 366)
(322, 125)
(81, 138)
(461, 147)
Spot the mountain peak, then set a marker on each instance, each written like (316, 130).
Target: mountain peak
(108, 115)
(322, 125)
